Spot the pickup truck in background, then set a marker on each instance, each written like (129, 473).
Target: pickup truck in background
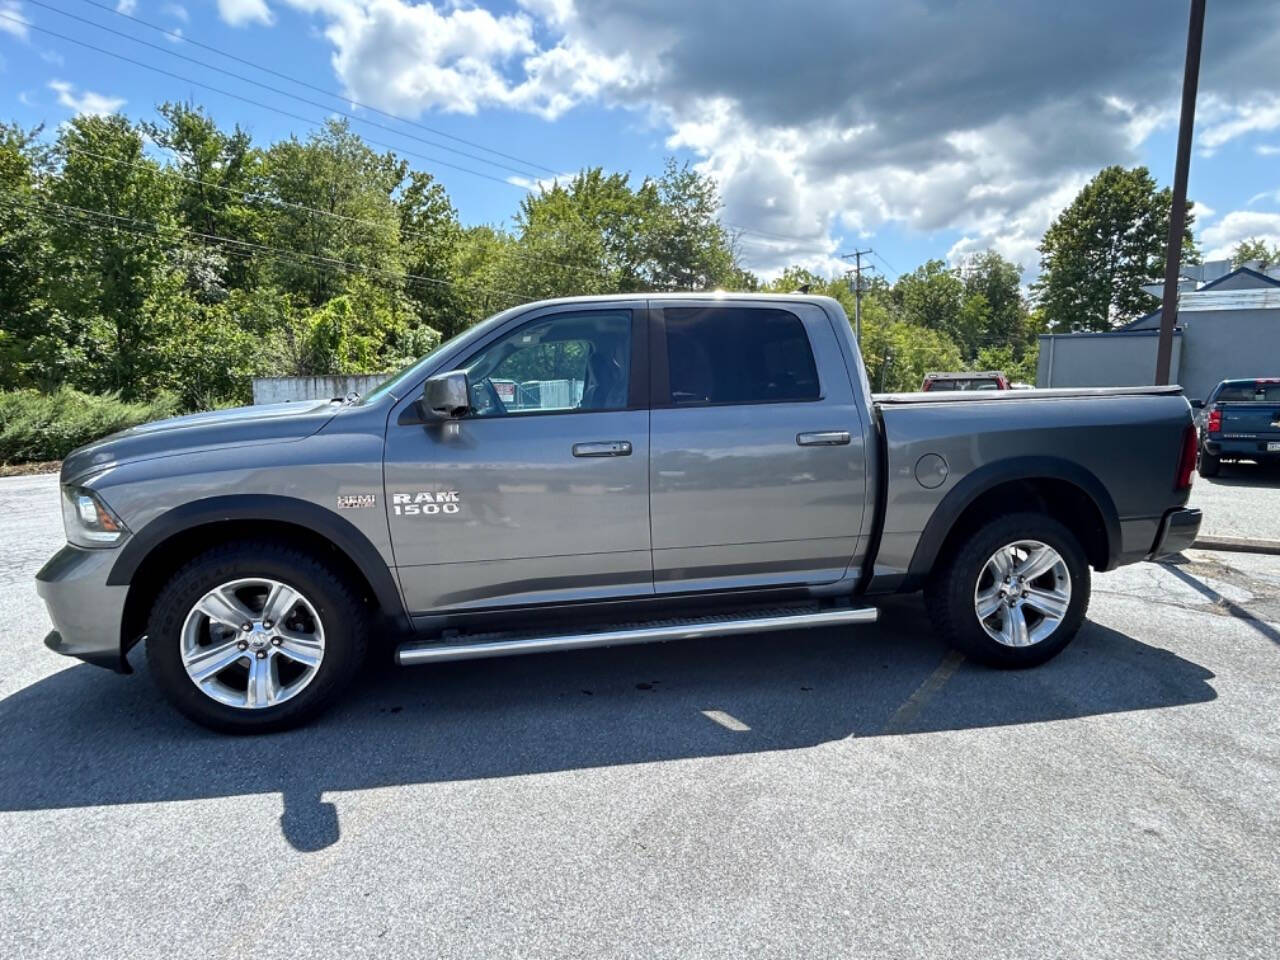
(1240, 420)
(972, 380)
(718, 467)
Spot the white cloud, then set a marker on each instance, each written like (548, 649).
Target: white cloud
(12, 8)
(86, 101)
(1267, 150)
(980, 119)
(240, 13)
(177, 11)
(1221, 238)
(1260, 115)
(129, 7)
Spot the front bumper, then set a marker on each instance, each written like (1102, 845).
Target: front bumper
(87, 614)
(1178, 531)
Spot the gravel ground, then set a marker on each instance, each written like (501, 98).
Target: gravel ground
(831, 793)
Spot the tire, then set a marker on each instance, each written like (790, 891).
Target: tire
(1208, 465)
(308, 659)
(953, 593)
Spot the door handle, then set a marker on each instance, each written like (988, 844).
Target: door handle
(604, 448)
(823, 438)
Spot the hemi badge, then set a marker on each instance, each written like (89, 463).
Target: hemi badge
(353, 501)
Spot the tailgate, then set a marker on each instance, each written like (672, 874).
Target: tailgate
(1250, 421)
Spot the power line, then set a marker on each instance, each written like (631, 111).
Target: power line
(310, 86)
(256, 103)
(251, 196)
(168, 51)
(296, 256)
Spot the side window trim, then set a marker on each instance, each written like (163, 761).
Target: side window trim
(660, 372)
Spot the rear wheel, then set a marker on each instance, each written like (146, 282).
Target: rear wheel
(255, 637)
(1014, 593)
(1208, 465)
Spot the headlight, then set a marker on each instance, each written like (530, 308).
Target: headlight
(87, 520)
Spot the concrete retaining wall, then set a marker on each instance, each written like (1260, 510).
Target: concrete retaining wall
(278, 389)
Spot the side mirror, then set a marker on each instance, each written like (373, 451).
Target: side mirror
(446, 396)
(1197, 404)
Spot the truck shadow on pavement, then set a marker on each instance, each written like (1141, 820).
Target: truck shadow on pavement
(84, 737)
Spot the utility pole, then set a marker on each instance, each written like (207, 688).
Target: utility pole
(857, 256)
(1178, 212)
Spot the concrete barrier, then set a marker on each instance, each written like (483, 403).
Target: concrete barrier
(278, 389)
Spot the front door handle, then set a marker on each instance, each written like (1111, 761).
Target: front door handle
(604, 448)
(823, 438)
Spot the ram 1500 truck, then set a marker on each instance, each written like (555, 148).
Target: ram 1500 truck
(596, 471)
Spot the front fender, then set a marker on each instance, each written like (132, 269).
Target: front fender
(268, 507)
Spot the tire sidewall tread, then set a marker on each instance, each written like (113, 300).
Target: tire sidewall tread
(336, 603)
(949, 595)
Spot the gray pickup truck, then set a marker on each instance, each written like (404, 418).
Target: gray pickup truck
(598, 471)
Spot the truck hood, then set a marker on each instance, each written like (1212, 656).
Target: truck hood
(237, 427)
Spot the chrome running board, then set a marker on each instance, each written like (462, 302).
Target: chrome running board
(687, 628)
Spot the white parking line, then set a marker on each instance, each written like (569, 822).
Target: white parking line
(726, 720)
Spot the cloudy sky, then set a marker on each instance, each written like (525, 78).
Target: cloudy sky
(919, 128)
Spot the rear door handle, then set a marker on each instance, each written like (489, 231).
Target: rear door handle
(604, 448)
(823, 438)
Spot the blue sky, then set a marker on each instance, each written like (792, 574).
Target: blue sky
(924, 129)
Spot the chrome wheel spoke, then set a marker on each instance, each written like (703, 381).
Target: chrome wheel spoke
(208, 662)
(988, 602)
(1014, 628)
(1038, 563)
(280, 603)
(222, 606)
(301, 649)
(1051, 603)
(1002, 563)
(262, 687)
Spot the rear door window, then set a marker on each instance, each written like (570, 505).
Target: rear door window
(719, 355)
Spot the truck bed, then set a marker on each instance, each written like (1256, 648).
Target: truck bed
(1007, 396)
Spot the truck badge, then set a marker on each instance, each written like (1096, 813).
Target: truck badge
(353, 501)
(425, 503)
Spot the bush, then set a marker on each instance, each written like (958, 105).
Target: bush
(48, 426)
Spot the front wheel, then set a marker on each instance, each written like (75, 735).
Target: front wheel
(255, 637)
(1014, 593)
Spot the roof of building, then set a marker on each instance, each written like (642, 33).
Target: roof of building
(1258, 280)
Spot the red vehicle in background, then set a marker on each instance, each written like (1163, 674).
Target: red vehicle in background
(970, 380)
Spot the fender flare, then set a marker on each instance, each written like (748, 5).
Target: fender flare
(302, 513)
(987, 477)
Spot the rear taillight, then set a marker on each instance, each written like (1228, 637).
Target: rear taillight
(1214, 422)
(1187, 461)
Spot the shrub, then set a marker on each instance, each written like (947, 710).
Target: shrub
(48, 426)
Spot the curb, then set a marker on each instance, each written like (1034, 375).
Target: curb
(1237, 545)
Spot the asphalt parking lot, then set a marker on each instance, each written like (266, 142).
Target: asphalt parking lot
(856, 792)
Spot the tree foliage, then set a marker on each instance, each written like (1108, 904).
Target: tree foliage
(1255, 250)
(1103, 247)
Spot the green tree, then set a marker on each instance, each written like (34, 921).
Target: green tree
(335, 207)
(29, 356)
(1255, 248)
(999, 282)
(214, 173)
(112, 234)
(1103, 247)
(931, 296)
